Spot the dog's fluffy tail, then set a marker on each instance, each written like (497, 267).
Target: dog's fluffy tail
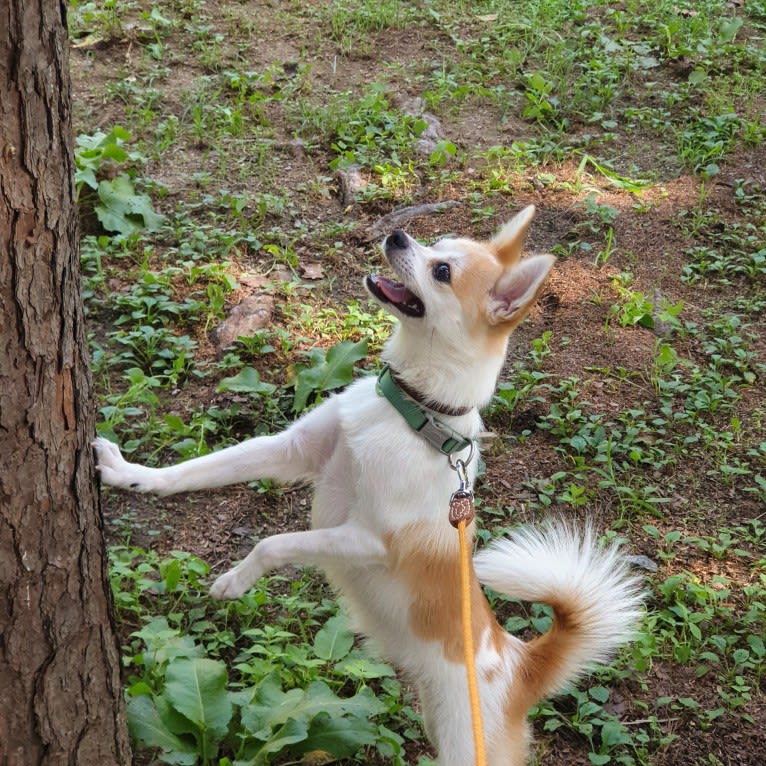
(595, 598)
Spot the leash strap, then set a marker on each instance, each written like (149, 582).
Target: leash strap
(461, 514)
(436, 433)
(468, 648)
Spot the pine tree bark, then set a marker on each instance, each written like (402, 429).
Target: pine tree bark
(60, 692)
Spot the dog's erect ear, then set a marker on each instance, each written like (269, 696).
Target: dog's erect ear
(508, 241)
(516, 291)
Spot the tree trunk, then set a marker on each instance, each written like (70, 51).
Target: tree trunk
(60, 693)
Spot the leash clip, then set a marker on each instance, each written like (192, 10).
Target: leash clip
(461, 501)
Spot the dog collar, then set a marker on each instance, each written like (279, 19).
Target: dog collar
(435, 432)
(441, 409)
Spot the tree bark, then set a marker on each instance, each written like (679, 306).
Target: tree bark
(60, 691)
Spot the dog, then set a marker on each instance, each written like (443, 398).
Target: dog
(382, 457)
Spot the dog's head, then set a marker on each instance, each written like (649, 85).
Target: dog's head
(459, 293)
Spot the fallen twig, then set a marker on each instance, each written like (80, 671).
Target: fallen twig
(650, 720)
(396, 218)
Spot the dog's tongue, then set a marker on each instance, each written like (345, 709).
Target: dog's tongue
(394, 291)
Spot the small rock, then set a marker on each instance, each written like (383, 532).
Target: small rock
(254, 281)
(350, 183)
(431, 136)
(662, 328)
(312, 271)
(642, 562)
(298, 147)
(433, 133)
(251, 314)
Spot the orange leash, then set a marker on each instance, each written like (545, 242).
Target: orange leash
(470, 665)
(461, 514)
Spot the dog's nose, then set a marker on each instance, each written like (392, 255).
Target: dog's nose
(397, 239)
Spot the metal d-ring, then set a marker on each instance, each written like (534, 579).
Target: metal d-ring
(465, 462)
(459, 465)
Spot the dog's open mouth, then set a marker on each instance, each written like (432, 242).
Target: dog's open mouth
(396, 294)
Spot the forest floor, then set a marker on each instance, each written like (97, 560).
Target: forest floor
(274, 138)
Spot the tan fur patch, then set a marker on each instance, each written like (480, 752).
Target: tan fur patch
(473, 284)
(507, 244)
(433, 579)
(543, 665)
(478, 273)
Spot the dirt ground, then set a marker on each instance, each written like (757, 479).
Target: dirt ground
(220, 526)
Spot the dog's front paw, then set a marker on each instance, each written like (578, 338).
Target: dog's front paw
(232, 585)
(118, 472)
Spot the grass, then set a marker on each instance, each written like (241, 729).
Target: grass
(636, 129)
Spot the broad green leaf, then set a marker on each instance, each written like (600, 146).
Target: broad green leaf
(538, 83)
(389, 743)
(164, 644)
(124, 211)
(757, 646)
(171, 574)
(588, 709)
(336, 370)
(147, 727)
(271, 707)
(647, 62)
(358, 665)
(248, 381)
(729, 28)
(177, 722)
(516, 623)
(139, 688)
(334, 640)
(613, 733)
(290, 733)
(341, 737)
(697, 76)
(86, 176)
(578, 443)
(176, 423)
(196, 688)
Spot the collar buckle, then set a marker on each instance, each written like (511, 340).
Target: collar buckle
(436, 433)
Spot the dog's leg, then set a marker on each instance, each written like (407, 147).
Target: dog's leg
(294, 454)
(447, 715)
(348, 543)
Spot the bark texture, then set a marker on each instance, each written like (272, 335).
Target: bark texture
(60, 692)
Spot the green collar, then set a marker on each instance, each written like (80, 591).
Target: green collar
(435, 432)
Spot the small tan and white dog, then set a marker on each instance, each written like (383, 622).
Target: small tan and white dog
(380, 528)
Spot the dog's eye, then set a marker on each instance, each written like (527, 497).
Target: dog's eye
(441, 272)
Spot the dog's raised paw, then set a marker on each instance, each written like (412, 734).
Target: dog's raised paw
(231, 585)
(115, 471)
(109, 461)
(107, 451)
